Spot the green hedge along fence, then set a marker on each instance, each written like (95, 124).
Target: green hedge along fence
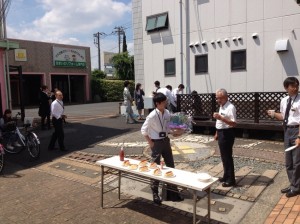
(109, 90)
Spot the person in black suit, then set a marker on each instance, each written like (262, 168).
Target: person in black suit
(44, 108)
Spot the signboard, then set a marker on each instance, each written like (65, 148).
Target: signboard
(107, 57)
(20, 55)
(69, 57)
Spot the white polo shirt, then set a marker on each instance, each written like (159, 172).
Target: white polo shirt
(228, 111)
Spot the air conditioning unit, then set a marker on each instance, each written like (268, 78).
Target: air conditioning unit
(281, 45)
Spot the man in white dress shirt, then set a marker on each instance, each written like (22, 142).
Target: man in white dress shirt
(290, 115)
(57, 112)
(226, 120)
(155, 130)
(178, 90)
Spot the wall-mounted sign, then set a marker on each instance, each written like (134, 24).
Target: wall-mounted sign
(20, 55)
(68, 57)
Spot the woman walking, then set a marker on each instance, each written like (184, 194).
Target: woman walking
(139, 100)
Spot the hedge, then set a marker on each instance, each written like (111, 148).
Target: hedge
(104, 90)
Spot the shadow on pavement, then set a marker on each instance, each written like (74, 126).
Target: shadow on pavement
(78, 136)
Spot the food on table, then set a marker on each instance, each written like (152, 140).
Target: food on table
(133, 166)
(144, 169)
(153, 166)
(169, 174)
(126, 163)
(157, 172)
(143, 163)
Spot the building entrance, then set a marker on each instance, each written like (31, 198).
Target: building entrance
(31, 89)
(72, 86)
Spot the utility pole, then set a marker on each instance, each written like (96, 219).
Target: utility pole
(119, 31)
(97, 44)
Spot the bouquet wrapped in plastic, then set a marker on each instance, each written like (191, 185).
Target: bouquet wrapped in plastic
(180, 122)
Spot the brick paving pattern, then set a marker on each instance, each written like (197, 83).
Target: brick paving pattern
(287, 211)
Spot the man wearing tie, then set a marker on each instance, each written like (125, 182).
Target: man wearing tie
(290, 115)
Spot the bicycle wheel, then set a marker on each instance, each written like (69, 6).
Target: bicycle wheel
(33, 145)
(1, 158)
(11, 143)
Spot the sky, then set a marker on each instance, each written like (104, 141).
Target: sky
(71, 22)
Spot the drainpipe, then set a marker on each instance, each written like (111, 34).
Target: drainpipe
(187, 25)
(181, 43)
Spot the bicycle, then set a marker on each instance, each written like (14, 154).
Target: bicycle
(14, 141)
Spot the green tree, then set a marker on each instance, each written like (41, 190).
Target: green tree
(96, 73)
(124, 65)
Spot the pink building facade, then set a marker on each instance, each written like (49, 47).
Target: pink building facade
(66, 67)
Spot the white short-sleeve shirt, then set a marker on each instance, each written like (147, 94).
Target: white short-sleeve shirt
(294, 113)
(228, 111)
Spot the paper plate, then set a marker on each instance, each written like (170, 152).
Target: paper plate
(204, 177)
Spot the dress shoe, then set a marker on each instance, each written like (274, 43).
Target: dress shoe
(156, 199)
(64, 150)
(228, 184)
(52, 149)
(292, 193)
(285, 190)
(222, 179)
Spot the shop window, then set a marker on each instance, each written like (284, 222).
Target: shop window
(157, 22)
(170, 66)
(201, 64)
(238, 60)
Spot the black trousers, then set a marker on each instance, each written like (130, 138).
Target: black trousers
(43, 118)
(163, 149)
(160, 149)
(225, 142)
(58, 134)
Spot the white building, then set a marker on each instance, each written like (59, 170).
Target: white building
(239, 45)
(106, 63)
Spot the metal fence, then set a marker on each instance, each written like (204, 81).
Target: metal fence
(249, 106)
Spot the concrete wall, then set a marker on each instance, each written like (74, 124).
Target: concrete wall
(210, 20)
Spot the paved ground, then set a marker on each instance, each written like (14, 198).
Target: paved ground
(64, 187)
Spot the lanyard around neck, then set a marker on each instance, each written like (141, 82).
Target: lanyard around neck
(162, 127)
